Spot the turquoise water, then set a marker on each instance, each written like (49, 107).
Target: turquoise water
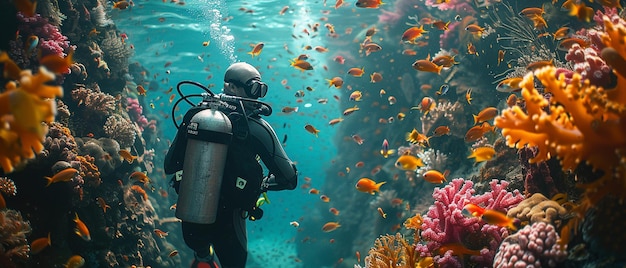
(179, 39)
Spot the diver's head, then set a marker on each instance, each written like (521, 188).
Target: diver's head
(243, 80)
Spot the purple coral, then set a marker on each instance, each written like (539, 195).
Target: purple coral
(445, 224)
(537, 178)
(51, 40)
(533, 246)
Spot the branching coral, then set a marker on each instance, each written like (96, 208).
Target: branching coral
(23, 109)
(94, 100)
(445, 224)
(579, 123)
(391, 251)
(120, 129)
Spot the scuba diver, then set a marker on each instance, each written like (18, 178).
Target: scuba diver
(219, 179)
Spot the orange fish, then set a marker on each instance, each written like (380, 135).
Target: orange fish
(75, 261)
(40, 244)
(256, 50)
(408, 162)
(325, 198)
(335, 121)
(485, 115)
(314, 191)
(288, 109)
(367, 185)
(141, 90)
(441, 130)
(356, 72)
(81, 229)
(302, 65)
(11, 70)
(336, 81)
(121, 5)
(330, 226)
(475, 29)
(441, 25)
(140, 177)
(478, 131)
(376, 77)
(481, 154)
(445, 61)
(561, 33)
(173, 253)
(350, 110)
(369, 3)
(427, 66)
(160, 233)
(498, 218)
(457, 249)
(64, 175)
(581, 11)
(356, 95)
(500, 56)
(58, 64)
(311, 129)
(126, 155)
(511, 84)
(434, 176)
(511, 100)
(103, 204)
(26, 7)
(468, 96)
(417, 138)
(412, 34)
(357, 139)
(334, 211)
(473, 210)
(539, 64)
(426, 105)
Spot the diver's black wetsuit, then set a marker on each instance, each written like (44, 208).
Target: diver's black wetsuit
(251, 137)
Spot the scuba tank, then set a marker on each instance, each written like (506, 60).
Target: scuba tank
(208, 134)
(200, 150)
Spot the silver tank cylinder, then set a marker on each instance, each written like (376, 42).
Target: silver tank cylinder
(208, 135)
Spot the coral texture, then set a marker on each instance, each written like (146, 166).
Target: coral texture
(533, 246)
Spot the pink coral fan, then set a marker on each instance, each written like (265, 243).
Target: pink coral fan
(445, 224)
(533, 246)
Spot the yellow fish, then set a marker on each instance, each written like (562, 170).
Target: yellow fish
(408, 162)
(367, 185)
(482, 154)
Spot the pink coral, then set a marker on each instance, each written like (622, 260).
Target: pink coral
(533, 246)
(51, 40)
(445, 224)
(135, 111)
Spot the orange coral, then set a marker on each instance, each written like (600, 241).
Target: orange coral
(393, 251)
(88, 170)
(585, 123)
(24, 106)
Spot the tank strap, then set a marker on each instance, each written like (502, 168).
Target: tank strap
(210, 136)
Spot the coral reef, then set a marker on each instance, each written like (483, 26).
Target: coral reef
(533, 246)
(445, 224)
(538, 208)
(120, 129)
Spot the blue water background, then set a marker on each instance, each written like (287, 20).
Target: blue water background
(165, 32)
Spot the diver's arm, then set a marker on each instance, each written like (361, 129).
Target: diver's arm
(270, 150)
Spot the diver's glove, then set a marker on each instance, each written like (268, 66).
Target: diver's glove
(269, 183)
